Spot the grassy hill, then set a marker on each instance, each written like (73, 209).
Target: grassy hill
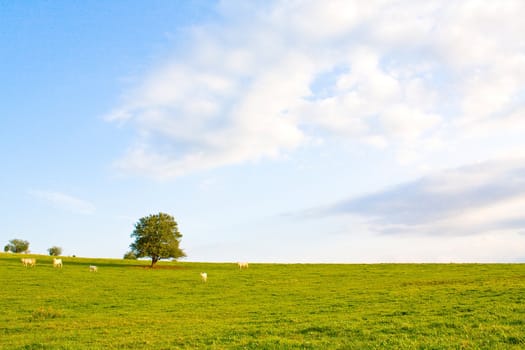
(126, 305)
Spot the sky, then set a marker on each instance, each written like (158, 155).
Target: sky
(273, 131)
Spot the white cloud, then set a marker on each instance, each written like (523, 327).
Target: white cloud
(485, 198)
(476, 33)
(64, 201)
(500, 215)
(487, 94)
(400, 121)
(411, 78)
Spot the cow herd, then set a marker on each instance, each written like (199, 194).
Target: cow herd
(57, 263)
(242, 265)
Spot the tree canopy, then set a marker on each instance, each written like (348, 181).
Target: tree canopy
(55, 251)
(157, 236)
(17, 246)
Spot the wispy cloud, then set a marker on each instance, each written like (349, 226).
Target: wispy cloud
(411, 77)
(64, 201)
(475, 199)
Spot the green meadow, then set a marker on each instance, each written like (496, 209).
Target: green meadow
(126, 305)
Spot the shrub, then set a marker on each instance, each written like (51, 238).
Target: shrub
(130, 255)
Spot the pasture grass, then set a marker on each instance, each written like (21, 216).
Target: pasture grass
(126, 305)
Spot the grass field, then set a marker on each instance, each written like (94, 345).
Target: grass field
(126, 305)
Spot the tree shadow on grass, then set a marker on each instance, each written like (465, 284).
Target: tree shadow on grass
(158, 267)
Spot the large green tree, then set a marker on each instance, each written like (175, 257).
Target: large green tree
(157, 236)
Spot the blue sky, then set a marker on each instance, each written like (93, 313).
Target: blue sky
(273, 131)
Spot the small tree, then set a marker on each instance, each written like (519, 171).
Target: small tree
(17, 246)
(157, 236)
(55, 251)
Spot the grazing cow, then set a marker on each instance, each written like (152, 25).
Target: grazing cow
(93, 268)
(204, 276)
(57, 262)
(242, 265)
(28, 262)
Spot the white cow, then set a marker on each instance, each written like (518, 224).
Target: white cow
(93, 268)
(28, 262)
(242, 265)
(57, 262)
(204, 276)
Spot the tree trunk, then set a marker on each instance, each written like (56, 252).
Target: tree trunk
(154, 260)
